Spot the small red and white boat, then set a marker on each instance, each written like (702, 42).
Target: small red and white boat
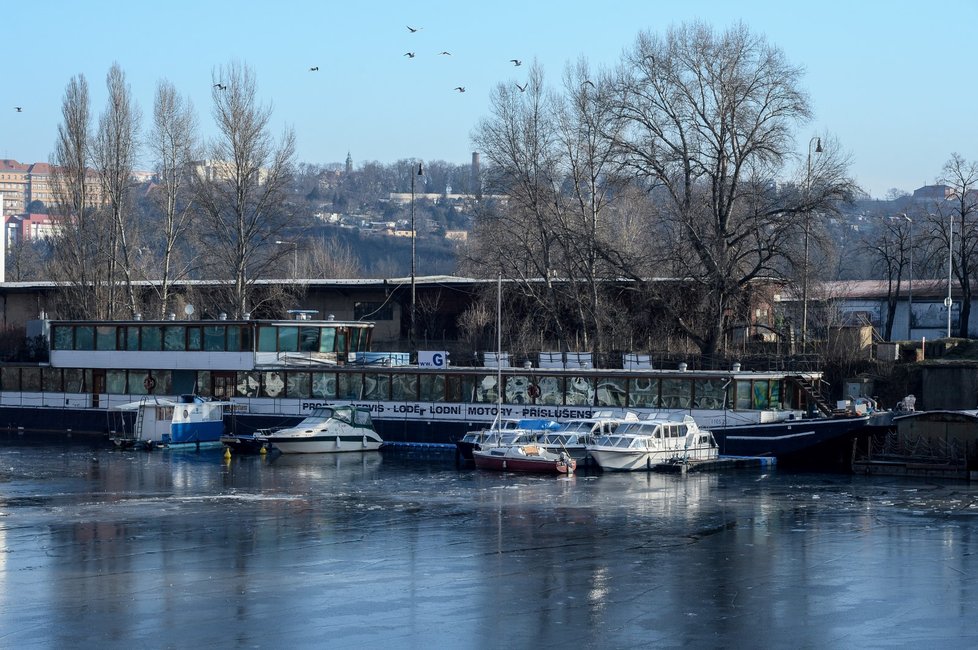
(524, 458)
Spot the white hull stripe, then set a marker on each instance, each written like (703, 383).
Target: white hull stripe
(785, 437)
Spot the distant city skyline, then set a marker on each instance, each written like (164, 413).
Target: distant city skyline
(885, 79)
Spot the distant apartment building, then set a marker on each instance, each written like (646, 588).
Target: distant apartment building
(221, 170)
(22, 184)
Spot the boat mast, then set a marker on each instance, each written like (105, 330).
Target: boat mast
(499, 349)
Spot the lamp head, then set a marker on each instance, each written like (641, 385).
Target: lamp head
(818, 146)
(420, 169)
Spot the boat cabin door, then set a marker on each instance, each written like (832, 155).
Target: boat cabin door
(98, 387)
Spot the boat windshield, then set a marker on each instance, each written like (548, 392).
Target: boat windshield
(323, 413)
(620, 442)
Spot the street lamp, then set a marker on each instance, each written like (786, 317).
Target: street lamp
(808, 226)
(950, 255)
(414, 237)
(295, 255)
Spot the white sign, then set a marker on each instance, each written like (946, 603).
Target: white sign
(432, 359)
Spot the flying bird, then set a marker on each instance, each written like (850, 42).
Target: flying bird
(220, 86)
(588, 82)
(18, 109)
(443, 52)
(409, 55)
(522, 88)
(413, 29)
(516, 62)
(314, 69)
(461, 89)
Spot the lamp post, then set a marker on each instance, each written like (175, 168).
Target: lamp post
(808, 225)
(414, 236)
(910, 282)
(295, 255)
(950, 255)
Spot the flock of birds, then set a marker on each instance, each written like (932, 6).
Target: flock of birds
(410, 55)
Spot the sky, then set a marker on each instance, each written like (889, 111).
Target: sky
(893, 82)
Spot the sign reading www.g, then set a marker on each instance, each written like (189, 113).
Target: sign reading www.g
(432, 359)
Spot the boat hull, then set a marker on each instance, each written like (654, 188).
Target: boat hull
(789, 439)
(328, 444)
(631, 461)
(502, 462)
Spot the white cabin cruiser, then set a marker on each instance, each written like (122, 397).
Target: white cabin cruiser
(575, 435)
(658, 440)
(328, 429)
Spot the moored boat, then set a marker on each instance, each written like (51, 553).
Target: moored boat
(523, 458)
(574, 435)
(160, 422)
(645, 444)
(330, 429)
(508, 432)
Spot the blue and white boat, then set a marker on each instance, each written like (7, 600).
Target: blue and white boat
(189, 420)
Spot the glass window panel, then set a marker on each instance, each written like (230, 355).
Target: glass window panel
(486, 388)
(195, 339)
(10, 378)
(105, 337)
(84, 337)
(297, 384)
(30, 379)
(742, 400)
(247, 384)
(174, 338)
(51, 380)
(63, 337)
(164, 382)
(350, 384)
(551, 390)
(139, 382)
(710, 393)
(467, 388)
(612, 392)
(432, 388)
(677, 393)
(377, 386)
(152, 338)
(308, 339)
(132, 338)
(203, 383)
(455, 388)
(341, 344)
(643, 392)
(115, 382)
(288, 339)
(74, 380)
(761, 399)
(324, 385)
(776, 394)
(405, 387)
(580, 391)
(273, 384)
(327, 339)
(239, 339)
(214, 338)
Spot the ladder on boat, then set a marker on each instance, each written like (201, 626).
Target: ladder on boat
(813, 394)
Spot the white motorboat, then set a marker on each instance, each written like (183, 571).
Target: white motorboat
(508, 432)
(575, 435)
(328, 429)
(658, 440)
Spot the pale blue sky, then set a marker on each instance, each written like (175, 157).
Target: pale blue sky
(893, 81)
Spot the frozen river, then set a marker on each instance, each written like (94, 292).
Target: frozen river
(108, 549)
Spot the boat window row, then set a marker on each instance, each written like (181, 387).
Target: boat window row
(210, 338)
(542, 390)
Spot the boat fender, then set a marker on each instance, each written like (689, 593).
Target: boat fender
(533, 391)
(149, 383)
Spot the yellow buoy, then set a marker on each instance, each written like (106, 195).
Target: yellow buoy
(262, 450)
(227, 452)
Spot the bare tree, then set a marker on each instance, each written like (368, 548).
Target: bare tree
(709, 128)
(242, 188)
(172, 144)
(889, 247)
(114, 152)
(959, 214)
(331, 258)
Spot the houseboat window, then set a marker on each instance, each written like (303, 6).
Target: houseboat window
(327, 339)
(74, 380)
(350, 385)
(152, 338)
(225, 384)
(467, 389)
(105, 337)
(288, 339)
(308, 339)
(10, 378)
(63, 337)
(516, 390)
(432, 388)
(377, 386)
(709, 393)
(203, 383)
(486, 389)
(677, 393)
(273, 384)
(239, 338)
(85, 337)
(195, 339)
(551, 390)
(30, 379)
(580, 391)
(164, 382)
(214, 338)
(358, 342)
(761, 398)
(267, 338)
(341, 349)
(405, 387)
(139, 382)
(132, 339)
(247, 385)
(324, 385)
(612, 392)
(174, 338)
(115, 382)
(297, 384)
(742, 398)
(776, 393)
(454, 389)
(51, 380)
(643, 392)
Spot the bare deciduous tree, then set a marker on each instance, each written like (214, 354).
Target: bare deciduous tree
(242, 188)
(172, 145)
